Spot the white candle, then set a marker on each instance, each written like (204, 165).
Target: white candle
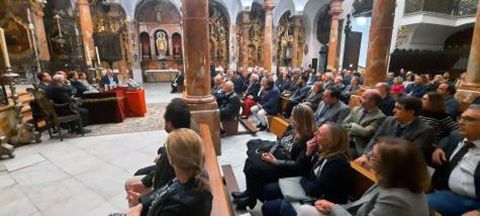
(98, 56)
(87, 53)
(3, 44)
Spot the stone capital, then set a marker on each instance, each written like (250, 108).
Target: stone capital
(335, 8)
(297, 21)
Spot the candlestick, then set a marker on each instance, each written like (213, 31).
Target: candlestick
(87, 53)
(3, 44)
(98, 56)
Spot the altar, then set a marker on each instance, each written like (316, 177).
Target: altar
(160, 75)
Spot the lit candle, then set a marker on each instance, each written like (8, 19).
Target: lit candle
(87, 53)
(3, 44)
(98, 56)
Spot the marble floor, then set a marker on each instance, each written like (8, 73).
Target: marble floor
(85, 175)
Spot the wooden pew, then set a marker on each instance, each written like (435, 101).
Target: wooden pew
(221, 204)
(283, 103)
(278, 125)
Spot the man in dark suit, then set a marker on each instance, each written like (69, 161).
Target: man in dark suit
(364, 120)
(230, 104)
(60, 95)
(74, 81)
(298, 95)
(109, 79)
(267, 103)
(387, 101)
(452, 107)
(404, 124)
(44, 79)
(457, 177)
(331, 109)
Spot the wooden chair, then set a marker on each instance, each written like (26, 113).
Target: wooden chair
(52, 119)
(230, 126)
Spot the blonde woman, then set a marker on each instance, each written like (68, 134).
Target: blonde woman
(189, 192)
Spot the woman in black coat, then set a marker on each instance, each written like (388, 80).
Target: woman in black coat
(189, 192)
(268, 161)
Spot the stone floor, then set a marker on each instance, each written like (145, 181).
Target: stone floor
(85, 175)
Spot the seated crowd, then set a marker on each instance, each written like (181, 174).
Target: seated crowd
(397, 130)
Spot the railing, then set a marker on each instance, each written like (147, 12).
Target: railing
(221, 205)
(446, 7)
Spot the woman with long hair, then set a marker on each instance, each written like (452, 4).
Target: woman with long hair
(402, 180)
(433, 113)
(267, 161)
(189, 192)
(329, 176)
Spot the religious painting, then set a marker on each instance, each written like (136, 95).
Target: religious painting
(161, 44)
(256, 32)
(177, 45)
(219, 34)
(17, 38)
(285, 40)
(145, 45)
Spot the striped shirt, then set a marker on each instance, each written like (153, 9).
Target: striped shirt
(440, 121)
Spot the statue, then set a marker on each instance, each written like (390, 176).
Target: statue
(25, 134)
(161, 45)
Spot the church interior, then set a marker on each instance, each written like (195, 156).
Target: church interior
(239, 107)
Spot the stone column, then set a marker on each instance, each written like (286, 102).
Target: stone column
(297, 24)
(245, 38)
(43, 51)
(470, 89)
(86, 28)
(268, 36)
(197, 67)
(379, 41)
(335, 11)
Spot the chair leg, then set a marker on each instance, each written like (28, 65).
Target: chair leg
(60, 133)
(49, 128)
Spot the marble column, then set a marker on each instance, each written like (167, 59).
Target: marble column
(245, 38)
(297, 24)
(268, 36)
(86, 28)
(335, 11)
(379, 41)
(197, 67)
(42, 44)
(470, 89)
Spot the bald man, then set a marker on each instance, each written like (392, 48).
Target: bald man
(230, 104)
(364, 120)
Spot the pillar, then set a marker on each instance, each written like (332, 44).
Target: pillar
(268, 36)
(245, 38)
(335, 11)
(197, 67)
(86, 28)
(297, 24)
(470, 89)
(379, 41)
(42, 44)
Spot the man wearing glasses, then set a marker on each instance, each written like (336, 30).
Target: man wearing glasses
(457, 177)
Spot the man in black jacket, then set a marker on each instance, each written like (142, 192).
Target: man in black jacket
(230, 103)
(60, 95)
(177, 115)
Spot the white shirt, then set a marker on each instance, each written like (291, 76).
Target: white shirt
(461, 179)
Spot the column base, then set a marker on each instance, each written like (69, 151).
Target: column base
(466, 93)
(207, 113)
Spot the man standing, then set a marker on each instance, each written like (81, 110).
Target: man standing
(457, 180)
(364, 120)
(404, 124)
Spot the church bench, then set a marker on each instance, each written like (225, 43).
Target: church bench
(249, 126)
(221, 205)
(278, 125)
(283, 104)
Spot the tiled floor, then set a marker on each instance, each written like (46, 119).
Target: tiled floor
(85, 175)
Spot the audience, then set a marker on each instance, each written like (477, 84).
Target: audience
(251, 93)
(329, 176)
(267, 161)
(189, 192)
(315, 95)
(351, 89)
(177, 115)
(387, 101)
(433, 113)
(267, 103)
(457, 177)
(301, 91)
(364, 120)
(331, 109)
(417, 89)
(402, 181)
(452, 107)
(397, 88)
(230, 105)
(83, 80)
(406, 125)
(44, 79)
